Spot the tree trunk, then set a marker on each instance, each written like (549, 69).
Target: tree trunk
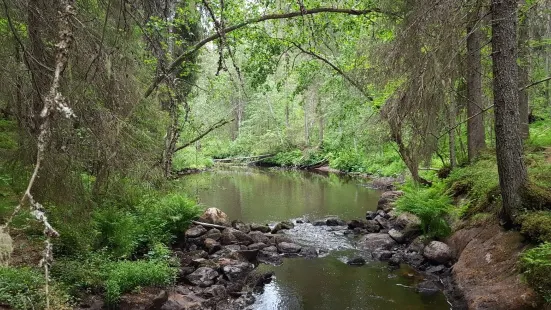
(451, 133)
(523, 74)
(476, 140)
(511, 168)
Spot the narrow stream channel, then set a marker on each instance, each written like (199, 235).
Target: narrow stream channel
(268, 196)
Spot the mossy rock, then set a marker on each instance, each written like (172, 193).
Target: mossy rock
(536, 225)
(535, 197)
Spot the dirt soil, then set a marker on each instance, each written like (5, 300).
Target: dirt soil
(486, 270)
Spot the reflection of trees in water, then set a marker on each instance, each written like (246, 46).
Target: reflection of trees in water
(271, 195)
(328, 283)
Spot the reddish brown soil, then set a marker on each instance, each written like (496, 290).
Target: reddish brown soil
(486, 270)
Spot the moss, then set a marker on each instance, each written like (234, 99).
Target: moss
(537, 225)
(535, 197)
(536, 267)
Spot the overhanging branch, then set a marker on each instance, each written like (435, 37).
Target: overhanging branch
(178, 61)
(218, 124)
(334, 67)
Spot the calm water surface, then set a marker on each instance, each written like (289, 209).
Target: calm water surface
(268, 196)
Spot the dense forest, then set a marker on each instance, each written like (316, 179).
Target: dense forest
(106, 104)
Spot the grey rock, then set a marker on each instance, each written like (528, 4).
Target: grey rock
(215, 216)
(195, 231)
(271, 258)
(370, 215)
(377, 241)
(258, 237)
(283, 225)
(382, 222)
(309, 252)
(319, 223)
(212, 245)
(203, 277)
(427, 288)
(257, 246)
(281, 238)
(398, 236)
(357, 224)
(372, 226)
(270, 249)
(239, 225)
(261, 228)
(214, 234)
(382, 255)
(335, 222)
(214, 291)
(395, 260)
(437, 252)
(237, 271)
(409, 224)
(228, 237)
(286, 247)
(356, 261)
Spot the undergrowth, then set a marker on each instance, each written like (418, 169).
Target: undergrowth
(536, 266)
(431, 204)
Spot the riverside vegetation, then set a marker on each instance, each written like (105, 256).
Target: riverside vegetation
(105, 102)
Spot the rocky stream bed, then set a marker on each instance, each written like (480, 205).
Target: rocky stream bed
(219, 258)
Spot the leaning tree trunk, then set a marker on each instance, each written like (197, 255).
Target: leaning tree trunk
(476, 140)
(511, 168)
(523, 74)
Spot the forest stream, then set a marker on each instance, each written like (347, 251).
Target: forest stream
(326, 282)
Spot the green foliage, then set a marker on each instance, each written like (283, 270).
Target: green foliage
(118, 231)
(97, 273)
(431, 204)
(536, 266)
(125, 276)
(347, 160)
(21, 288)
(480, 180)
(540, 134)
(191, 158)
(537, 226)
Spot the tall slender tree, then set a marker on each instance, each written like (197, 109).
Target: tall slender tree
(511, 167)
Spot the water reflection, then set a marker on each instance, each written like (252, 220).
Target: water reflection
(253, 195)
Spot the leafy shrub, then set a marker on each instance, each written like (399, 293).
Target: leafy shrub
(118, 231)
(191, 158)
(537, 226)
(347, 160)
(163, 219)
(125, 276)
(536, 266)
(21, 288)
(431, 205)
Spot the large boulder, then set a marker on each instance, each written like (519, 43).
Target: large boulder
(372, 226)
(203, 276)
(212, 245)
(277, 239)
(228, 237)
(378, 241)
(437, 252)
(215, 216)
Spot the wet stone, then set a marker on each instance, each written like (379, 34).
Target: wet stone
(370, 215)
(257, 246)
(283, 225)
(203, 276)
(356, 261)
(239, 225)
(261, 228)
(258, 237)
(286, 247)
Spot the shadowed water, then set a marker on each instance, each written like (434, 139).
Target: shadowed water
(268, 196)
